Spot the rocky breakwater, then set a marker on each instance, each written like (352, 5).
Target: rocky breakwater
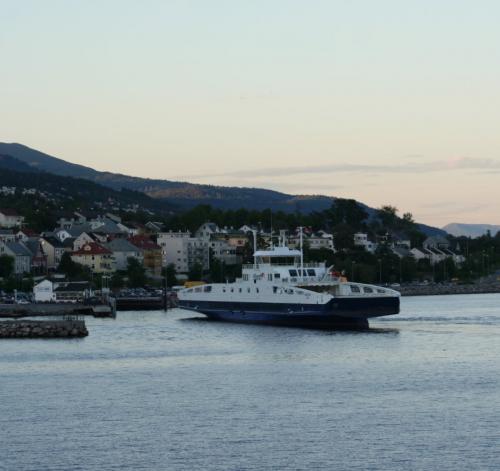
(43, 329)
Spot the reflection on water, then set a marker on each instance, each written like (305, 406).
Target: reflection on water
(158, 391)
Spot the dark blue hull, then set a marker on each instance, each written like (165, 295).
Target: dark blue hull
(339, 313)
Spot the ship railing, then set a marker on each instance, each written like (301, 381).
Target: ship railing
(258, 266)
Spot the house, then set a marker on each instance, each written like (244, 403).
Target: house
(123, 250)
(7, 235)
(21, 255)
(43, 292)
(151, 253)
(54, 249)
(82, 239)
(155, 227)
(38, 257)
(207, 230)
(223, 251)
(183, 251)
(10, 218)
(96, 257)
(361, 240)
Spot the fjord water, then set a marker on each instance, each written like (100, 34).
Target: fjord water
(161, 391)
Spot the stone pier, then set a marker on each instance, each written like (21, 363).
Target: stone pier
(43, 329)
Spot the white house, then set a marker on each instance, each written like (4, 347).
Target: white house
(9, 218)
(43, 292)
(361, 240)
(182, 250)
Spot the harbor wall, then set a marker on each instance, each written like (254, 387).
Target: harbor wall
(43, 329)
(433, 290)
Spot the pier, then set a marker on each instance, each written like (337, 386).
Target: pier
(56, 309)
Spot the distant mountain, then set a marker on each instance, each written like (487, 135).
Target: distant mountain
(182, 195)
(470, 230)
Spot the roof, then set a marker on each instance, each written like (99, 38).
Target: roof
(144, 242)
(9, 212)
(121, 245)
(92, 248)
(54, 241)
(33, 245)
(18, 249)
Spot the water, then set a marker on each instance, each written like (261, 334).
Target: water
(156, 391)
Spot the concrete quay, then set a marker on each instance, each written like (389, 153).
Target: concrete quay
(56, 309)
(43, 329)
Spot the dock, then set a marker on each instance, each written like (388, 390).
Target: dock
(56, 309)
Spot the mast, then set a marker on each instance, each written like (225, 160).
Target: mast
(254, 247)
(301, 254)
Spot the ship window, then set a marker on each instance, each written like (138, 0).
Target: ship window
(232, 290)
(366, 289)
(275, 289)
(355, 289)
(240, 290)
(207, 289)
(293, 272)
(256, 290)
(248, 289)
(223, 290)
(311, 272)
(380, 291)
(277, 275)
(197, 290)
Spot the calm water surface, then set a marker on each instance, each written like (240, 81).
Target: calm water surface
(156, 391)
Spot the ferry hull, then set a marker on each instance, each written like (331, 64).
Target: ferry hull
(338, 314)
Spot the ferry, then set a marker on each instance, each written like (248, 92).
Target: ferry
(280, 289)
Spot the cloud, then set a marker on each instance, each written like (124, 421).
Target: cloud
(462, 163)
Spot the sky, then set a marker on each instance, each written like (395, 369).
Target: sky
(388, 101)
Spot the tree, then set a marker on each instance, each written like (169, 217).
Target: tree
(347, 211)
(6, 266)
(170, 274)
(195, 272)
(388, 215)
(73, 270)
(136, 273)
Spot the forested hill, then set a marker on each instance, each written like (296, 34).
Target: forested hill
(182, 194)
(164, 194)
(54, 191)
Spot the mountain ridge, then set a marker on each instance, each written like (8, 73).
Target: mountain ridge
(183, 195)
(459, 229)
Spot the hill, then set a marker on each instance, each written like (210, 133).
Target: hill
(56, 192)
(180, 195)
(470, 230)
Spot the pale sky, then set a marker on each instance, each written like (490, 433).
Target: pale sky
(386, 101)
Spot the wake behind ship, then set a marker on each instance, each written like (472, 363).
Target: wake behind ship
(280, 289)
